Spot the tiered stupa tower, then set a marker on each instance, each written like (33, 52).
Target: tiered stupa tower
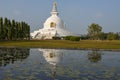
(53, 27)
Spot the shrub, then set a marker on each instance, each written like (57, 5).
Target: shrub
(68, 37)
(75, 38)
(56, 38)
(72, 38)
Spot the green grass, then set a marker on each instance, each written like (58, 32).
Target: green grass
(64, 44)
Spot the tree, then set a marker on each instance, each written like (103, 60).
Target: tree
(5, 29)
(112, 36)
(12, 30)
(9, 34)
(103, 36)
(1, 28)
(94, 31)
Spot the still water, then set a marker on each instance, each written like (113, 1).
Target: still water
(58, 64)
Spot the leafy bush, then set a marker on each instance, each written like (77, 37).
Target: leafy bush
(75, 38)
(72, 38)
(68, 37)
(56, 38)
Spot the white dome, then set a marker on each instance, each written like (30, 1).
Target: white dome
(55, 20)
(53, 26)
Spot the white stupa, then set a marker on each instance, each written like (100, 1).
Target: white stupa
(53, 27)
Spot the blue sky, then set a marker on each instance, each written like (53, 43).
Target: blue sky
(77, 14)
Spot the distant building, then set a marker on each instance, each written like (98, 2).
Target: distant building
(53, 27)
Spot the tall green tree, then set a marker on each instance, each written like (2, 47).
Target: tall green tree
(13, 30)
(17, 30)
(94, 31)
(5, 30)
(9, 28)
(1, 28)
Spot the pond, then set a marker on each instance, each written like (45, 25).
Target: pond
(58, 64)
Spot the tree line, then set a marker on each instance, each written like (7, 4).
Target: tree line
(95, 33)
(14, 30)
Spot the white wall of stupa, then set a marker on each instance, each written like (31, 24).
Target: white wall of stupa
(53, 27)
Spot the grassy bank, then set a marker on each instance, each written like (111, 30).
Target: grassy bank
(83, 44)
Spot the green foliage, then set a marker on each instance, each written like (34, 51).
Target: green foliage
(112, 36)
(94, 31)
(75, 38)
(13, 30)
(84, 37)
(56, 38)
(109, 36)
(72, 38)
(1, 28)
(103, 36)
(68, 37)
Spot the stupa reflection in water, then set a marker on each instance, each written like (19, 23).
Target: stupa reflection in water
(52, 56)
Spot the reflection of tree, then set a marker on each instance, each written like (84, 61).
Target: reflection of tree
(94, 56)
(10, 55)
